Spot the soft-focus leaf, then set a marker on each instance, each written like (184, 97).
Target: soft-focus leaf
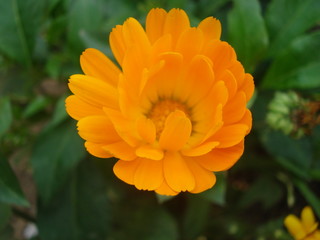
(287, 19)
(56, 152)
(59, 114)
(81, 210)
(247, 32)
(36, 105)
(217, 194)
(19, 24)
(10, 191)
(5, 213)
(296, 67)
(5, 115)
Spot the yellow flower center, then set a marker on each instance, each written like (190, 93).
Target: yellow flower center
(161, 110)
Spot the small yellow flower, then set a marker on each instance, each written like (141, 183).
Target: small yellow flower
(304, 229)
(175, 110)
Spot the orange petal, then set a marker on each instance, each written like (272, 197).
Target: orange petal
(247, 120)
(176, 132)
(121, 150)
(230, 82)
(117, 43)
(177, 173)
(230, 135)
(96, 150)
(295, 227)
(148, 175)
(164, 189)
(199, 150)
(125, 170)
(94, 63)
(146, 129)
(78, 109)
(248, 86)
(235, 109)
(221, 159)
(190, 43)
(155, 23)
(149, 152)
(93, 91)
(211, 28)
(177, 21)
(204, 179)
(97, 129)
(237, 71)
(308, 220)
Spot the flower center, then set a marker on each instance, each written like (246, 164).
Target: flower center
(161, 110)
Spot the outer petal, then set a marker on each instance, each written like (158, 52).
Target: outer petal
(164, 189)
(150, 152)
(230, 82)
(248, 86)
(117, 43)
(155, 23)
(176, 131)
(78, 109)
(230, 135)
(199, 150)
(96, 150)
(97, 129)
(211, 28)
(148, 175)
(308, 219)
(221, 159)
(177, 173)
(94, 63)
(93, 91)
(126, 170)
(204, 179)
(121, 150)
(235, 109)
(295, 227)
(146, 129)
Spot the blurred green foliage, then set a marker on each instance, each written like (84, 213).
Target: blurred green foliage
(47, 178)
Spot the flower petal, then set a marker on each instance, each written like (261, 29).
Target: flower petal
(97, 129)
(177, 21)
(177, 173)
(294, 227)
(150, 152)
(230, 135)
(211, 28)
(125, 170)
(308, 220)
(221, 159)
(204, 179)
(247, 120)
(247, 86)
(121, 150)
(96, 150)
(176, 131)
(235, 109)
(146, 129)
(155, 23)
(230, 82)
(164, 189)
(94, 63)
(93, 91)
(201, 149)
(148, 175)
(117, 44)
(78, 109)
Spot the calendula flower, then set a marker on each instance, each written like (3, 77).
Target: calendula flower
(174, 112)
(304, 229)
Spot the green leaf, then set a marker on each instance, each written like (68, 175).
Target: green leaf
(287, 19)
(247, 32)
(5, 115)
(20, 21)
(296, 67)
(35, 106)
(56, 153)
(217, 194)
(10, 191)
(81, 210)
(6, 213)
(85, 16)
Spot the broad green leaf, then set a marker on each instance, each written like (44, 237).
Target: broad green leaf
(81, 210)
(85, 16)
(296, 67)
(217, 194)
(287, 19)
(56, 153)
(36, 105)
(247, 32)
(196, 217)
(5, 215)
(20, 21)
(59, 114)
(10, 191)
(5, 115)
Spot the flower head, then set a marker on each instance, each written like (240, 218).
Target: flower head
(304, 229)
(174, 112)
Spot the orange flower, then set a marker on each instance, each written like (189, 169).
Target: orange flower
(304, 229)
(175, 111)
